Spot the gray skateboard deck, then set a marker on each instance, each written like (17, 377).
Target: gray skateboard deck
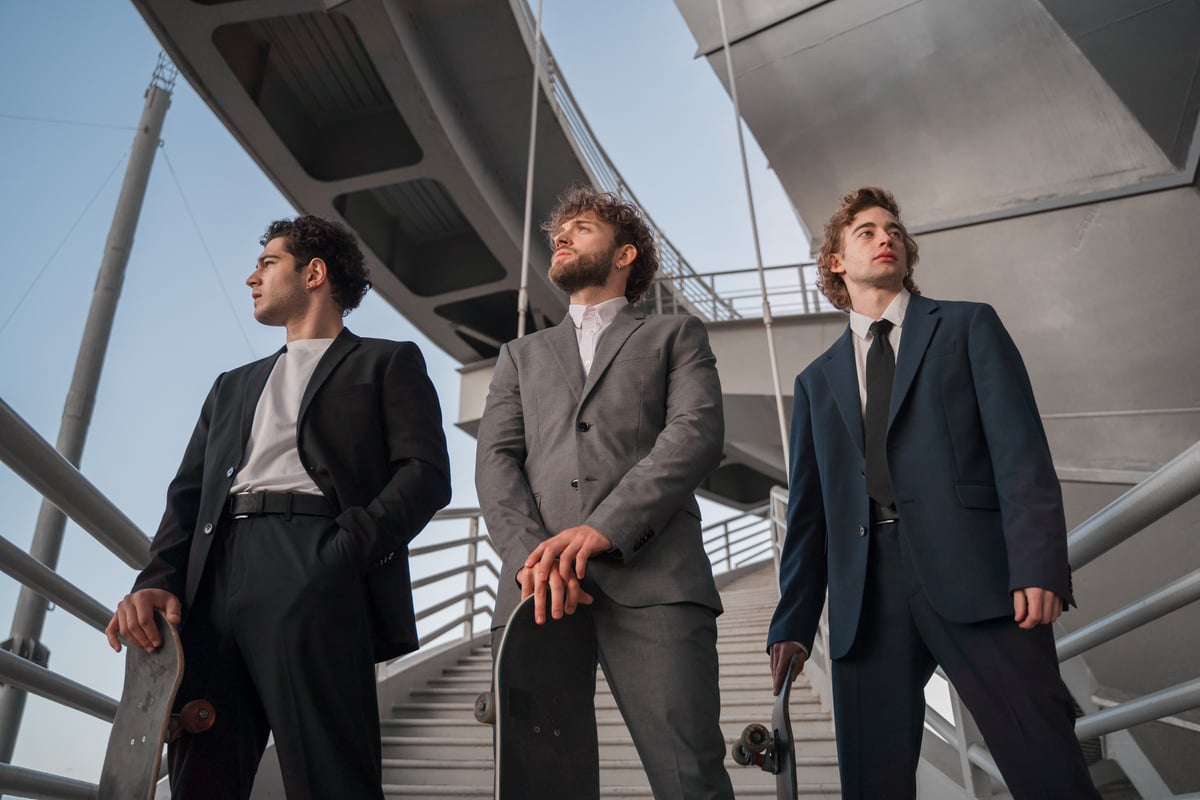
(144, 722)
(544, 707)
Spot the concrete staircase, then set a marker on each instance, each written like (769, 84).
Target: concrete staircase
(434, 748)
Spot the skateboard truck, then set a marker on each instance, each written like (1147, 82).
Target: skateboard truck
(756, 747)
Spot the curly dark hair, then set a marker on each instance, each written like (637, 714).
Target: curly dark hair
(830, 283)
(629, 221)
(308, 237)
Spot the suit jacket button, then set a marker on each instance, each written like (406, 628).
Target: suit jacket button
(574, 483)
(862, 530)
(208, 527)
(229, 472)
(583, 427)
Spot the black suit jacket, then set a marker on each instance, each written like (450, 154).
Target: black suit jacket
(979, 500)
(369, 435)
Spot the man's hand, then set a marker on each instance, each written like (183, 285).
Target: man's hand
(1033, 607)
(134, 618)
(571, 548)
(565, 596)
(781, 656)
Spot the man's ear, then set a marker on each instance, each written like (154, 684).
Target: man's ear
(835, 264)
(316, 273)
(626, 255)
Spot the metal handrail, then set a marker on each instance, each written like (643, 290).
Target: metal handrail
(32, 783)
(44, 468)
(46, 683)
(21, 566)
(1171, 597)
(1165, 490)
(1147, 708)
(796, 295)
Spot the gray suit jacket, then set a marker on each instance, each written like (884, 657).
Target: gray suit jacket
(621, 449)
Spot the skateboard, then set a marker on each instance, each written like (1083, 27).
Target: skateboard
(543, 707)
(144, 722)
(773, 750)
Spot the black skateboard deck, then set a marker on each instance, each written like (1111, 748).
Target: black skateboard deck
(144, 722)
(773, 750)
(544, 707)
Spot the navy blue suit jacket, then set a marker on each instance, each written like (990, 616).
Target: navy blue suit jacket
(980, 504)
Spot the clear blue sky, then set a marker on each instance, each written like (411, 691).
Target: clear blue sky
(184, 317)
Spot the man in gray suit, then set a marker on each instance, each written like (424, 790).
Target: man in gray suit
(595, 435)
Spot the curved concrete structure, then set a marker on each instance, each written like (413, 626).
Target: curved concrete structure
(1046, 154)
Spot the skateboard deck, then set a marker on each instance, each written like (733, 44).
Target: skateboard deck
(144, 722)
(773, 750)
(544, 707)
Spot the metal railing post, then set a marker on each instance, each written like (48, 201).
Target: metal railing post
(473, 563)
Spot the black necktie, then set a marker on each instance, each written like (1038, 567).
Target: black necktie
(881, 368)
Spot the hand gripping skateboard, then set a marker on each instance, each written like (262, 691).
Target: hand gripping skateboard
(773, 750)
(144, 722)
(543, 707)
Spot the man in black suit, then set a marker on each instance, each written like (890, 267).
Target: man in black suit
(283, 548)
(924, 496)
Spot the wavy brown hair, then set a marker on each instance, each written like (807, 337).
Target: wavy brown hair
(310, 237)
(631, 226)
(830, 283)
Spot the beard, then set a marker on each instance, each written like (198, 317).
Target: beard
(583, 271)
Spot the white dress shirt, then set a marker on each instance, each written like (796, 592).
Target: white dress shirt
(590, 323)
(860, 325)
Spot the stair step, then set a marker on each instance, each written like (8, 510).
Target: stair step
(434, 748)
(613, 772)
(812, 792)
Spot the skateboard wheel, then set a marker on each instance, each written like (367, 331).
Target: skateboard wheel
(485, 708)
(755, 738)
(741, 755)
(197, 716)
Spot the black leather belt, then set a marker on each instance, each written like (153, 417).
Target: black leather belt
(288, 504)
(884, 515)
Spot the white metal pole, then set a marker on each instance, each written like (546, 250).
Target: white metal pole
(762, 278)
(523, 294)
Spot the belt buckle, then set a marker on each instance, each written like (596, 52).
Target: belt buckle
(257, 501)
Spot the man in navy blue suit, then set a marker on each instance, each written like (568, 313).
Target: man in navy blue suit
(924, 497)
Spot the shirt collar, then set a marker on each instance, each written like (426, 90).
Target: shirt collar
(894, 313)
(607, 311)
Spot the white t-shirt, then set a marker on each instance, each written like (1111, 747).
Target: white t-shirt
(272, 462)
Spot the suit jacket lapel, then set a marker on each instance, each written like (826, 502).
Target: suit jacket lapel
(627, 321)
(256, 381)
(565, 346)
(920, 321)
(338, 349)
(842, 375)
